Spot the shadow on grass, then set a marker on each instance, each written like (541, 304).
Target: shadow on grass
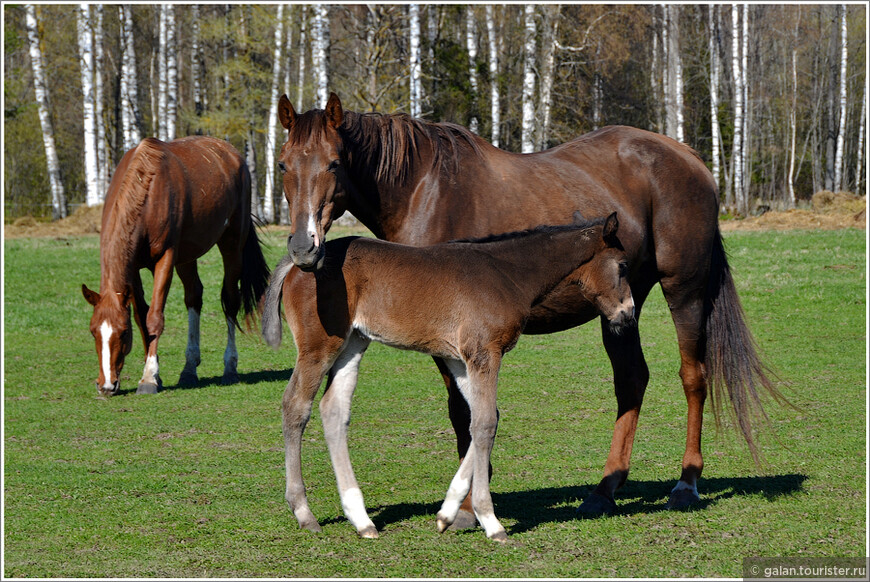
(559, 504)
(210, 381)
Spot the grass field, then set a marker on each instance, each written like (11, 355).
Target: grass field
(189, 483)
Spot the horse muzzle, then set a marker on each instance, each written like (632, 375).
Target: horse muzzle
(305, 252)
(623, 319)
(109, 389)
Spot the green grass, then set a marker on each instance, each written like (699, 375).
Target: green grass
(189, 482)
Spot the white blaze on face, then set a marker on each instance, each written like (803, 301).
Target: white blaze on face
(105, 354)
(312, 229)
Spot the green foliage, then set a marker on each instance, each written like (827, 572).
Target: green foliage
(189, 483)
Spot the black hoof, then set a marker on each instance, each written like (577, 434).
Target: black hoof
(229, 379)
(188, 379)
(464, 520)
(147, 388)
(683, 499)
(596, 505)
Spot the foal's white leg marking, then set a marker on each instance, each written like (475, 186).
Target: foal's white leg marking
(335, 414)
(192, 353)
(151, 372)
(231, 356)
(105, 354)
(457, 491)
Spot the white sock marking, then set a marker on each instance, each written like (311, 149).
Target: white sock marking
(354, 508)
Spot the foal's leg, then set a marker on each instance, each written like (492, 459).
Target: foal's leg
(296, 410)
(151, 382)
(478, 384)
(335, 414)
(193, 301)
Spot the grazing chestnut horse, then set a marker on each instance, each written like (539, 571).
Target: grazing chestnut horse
(167, 204)
(465, 303)
(420, 183)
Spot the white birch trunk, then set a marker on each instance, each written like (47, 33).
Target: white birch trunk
(495, 111)
(743, 193)
(471, 47)
(102, 145)
(130, 116)
(654, 72)
(529, 49)
(667, 72)
(736, 150)
(839, 181)
(678, 71)
(551, 24)
(268, 213)
(321, 45)
(171, 73)
(86, 59)
(862, 124)
(415, 78)
(58, 198)
(597, 96)
(714, 91)
(303, 39)
(160, 118)
(196, 64)
(792, 117)
(673, 73)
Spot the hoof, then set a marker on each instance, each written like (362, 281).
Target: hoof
(188, 379)
(442, 524)
(313, 527)
(682, 499)
(596, 505)
(369, 533)
(147, 388)
(229, 379)
(464, 520)
(499, 536)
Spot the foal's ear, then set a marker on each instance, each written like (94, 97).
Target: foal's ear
(578, 218)
(91, 297)
(334, 112)
(611, 225)
(286, 113)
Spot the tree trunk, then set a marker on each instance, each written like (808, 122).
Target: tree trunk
(171, 73)
(673, 64)
(103, 162)
(655, 84)
(268, 213)
(737, 75)
(471, 46)
(530, 47)
(416, 95)
(495, 111)
(320, 57)
(196, 65)
(551, 24)
(743, 193)
(714, 91)
(58, 198)
(859, 174)
(839, 179)
(792, 117)
(303, 41)
(86, 59)
(130, 116)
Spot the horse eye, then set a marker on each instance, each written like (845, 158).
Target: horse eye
(282, 167)
(333, 166)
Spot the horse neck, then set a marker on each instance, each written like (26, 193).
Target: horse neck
(540, 261)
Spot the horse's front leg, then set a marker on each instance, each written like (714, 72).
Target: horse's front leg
(154, 322)
(335, 414)
(189, 276)
(296, 410)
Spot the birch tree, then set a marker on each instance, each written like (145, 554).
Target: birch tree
(529, 49)
(130, 116)
(199, 98)
(320, 53)
(86, 61)
(162, 76)
(495, 111)
(170, 54)
(841, 131)
(862, 124)
(102, 144)
(713, 25)
(673, 89)
(58, 198)
(272, 127)
(303, 40)
(471, 47)
(792, 117)
(737, 76)
(415, 65)
(550, 25)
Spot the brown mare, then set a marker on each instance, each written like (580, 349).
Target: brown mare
(167, 204)
(420, 183)
(464, 302)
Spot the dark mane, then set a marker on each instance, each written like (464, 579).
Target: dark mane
(391, 143)
(544, 228)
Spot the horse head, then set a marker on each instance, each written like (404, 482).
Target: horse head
(604, 279)
(112, 329)
(311, 162)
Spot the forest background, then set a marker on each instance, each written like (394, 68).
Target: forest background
(773, 97)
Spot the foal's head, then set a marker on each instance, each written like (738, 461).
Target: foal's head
(604, 279)
(311, 164)
(112, 329)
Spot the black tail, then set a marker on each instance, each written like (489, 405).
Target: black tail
(255, 272)
(734, 367)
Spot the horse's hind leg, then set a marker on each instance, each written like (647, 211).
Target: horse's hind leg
(296, 410)
(231, 302)
(335, 414)
(193, 301)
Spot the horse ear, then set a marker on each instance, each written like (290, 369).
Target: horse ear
(334, 112)
(578, 218)
(611, 225)
(127, 296)
(286, 113)
(91, 297)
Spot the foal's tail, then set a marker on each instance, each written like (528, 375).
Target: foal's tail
(734, 367)
(272, 329)
(255, 272)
